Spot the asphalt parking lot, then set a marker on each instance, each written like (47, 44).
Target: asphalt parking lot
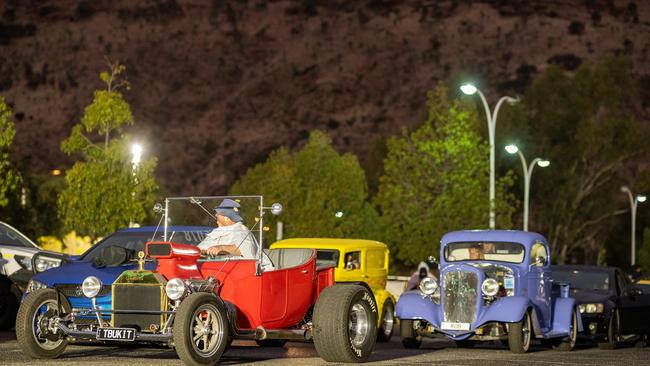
(433, 352)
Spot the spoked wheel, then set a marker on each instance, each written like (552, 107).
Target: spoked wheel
(568, 343)
(520, 334)
(345, 323)
(200, 330)
(612, 332)
(36, 330)
(410, 339)
(385, 331)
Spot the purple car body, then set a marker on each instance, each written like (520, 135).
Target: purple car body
(514, 268)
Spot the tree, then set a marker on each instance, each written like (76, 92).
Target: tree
(313, 184)
(105, 191)
(586, 124)
(8, 176)
(436, 180)
(644, 252)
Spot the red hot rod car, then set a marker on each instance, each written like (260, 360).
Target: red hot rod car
(198, 305)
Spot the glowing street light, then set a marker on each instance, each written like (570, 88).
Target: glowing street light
(470, 89)
(136, 151)
(528, 172)
(634, 202)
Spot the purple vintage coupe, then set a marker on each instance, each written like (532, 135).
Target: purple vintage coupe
(494, 285)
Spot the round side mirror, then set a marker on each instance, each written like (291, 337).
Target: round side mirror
(276, 208)
(158, 208)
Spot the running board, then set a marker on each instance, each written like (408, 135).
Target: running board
(288, 334)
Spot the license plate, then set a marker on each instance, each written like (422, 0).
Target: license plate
(454, 326)
(116, 334)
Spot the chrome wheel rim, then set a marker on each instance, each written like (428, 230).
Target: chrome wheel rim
(573, 330)
(388, 320)
(525, 332)
(206, 330)
(358, 325)
(39, 320)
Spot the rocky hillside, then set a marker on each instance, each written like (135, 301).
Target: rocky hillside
(218, 85)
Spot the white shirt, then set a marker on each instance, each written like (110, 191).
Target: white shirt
(238, 235)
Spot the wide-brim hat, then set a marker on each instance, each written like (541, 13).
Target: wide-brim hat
(230, 209)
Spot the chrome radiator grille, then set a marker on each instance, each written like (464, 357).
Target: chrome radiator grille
(138, 297)
(460, 296)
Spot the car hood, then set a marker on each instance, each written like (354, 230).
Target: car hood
(76, 271)
(588, 297)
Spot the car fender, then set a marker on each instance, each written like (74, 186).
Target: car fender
(562, 311)
(412, 305)
(508, 309)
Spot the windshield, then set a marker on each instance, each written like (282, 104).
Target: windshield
(583, 280)
(9, 236)
(135, 240)
(489, 251)
(326, 258)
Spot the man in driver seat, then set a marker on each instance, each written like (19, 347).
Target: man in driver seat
(231, 237)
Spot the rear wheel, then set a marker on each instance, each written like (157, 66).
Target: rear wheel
(568, 343)
(345, 323)
(612, 332)
(410, 339)
(385, 331)
(519, 335)
(36, 331)
(200, 330)
(275, 343)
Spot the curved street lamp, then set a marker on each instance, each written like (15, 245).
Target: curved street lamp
(634, 202)
(528, 172)
(470, 89)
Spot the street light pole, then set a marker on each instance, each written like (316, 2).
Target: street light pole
(470, 89)
(136, 152)
(528, 173)
(634, 202)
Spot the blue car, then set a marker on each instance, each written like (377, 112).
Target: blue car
(494, 285)
(107, 260)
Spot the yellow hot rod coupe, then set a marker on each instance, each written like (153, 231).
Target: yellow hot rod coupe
(355, 261)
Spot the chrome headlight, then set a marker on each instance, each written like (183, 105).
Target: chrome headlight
(42, 263)
(591, 308)
(34, 285)
(428, 286)
(91, 286)
(175, 288)
(490, 287)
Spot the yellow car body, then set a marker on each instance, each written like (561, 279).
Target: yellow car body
(357, 261)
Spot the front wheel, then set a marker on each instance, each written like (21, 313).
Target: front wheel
(200, 330)
(519, 335)
(410, 338)
(36, 330)
(568, 343)
(345, 323)
(385, 331)
(612, 333)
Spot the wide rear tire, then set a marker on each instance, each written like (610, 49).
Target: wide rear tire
(32, 331)
(345, 323)
(385, 332)
(200, 330)
(520, 334)
(410, 339)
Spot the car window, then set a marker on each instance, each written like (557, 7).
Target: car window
(353, 260)
(489, 251)
(10, 237)
(326, 258)
(375, 259)
(583, 280)
(538, 250)
(135, 241)
(621, 282)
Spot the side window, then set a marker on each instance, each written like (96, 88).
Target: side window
(538, 250)
(352, 260)
(9, 236)
(620, 283)
(375, 259)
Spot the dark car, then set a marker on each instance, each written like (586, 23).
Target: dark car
(613, 309)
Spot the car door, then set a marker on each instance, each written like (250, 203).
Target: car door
(634, 305)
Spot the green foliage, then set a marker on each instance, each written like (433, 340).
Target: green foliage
(437, 180)
(313, 184)
(8, 176)
(105, 191)
(644, 252)
(586, 125)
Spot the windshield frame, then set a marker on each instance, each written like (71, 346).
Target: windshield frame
(446, 250)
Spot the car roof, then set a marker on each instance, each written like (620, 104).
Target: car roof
(582, 267)
(527, 238)
(328, 243)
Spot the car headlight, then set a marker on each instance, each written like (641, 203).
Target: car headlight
(34, 285)
(428, 286)
(490, 287)
(42, 263)
(175, 288)
(591, 308)
(91, 286)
